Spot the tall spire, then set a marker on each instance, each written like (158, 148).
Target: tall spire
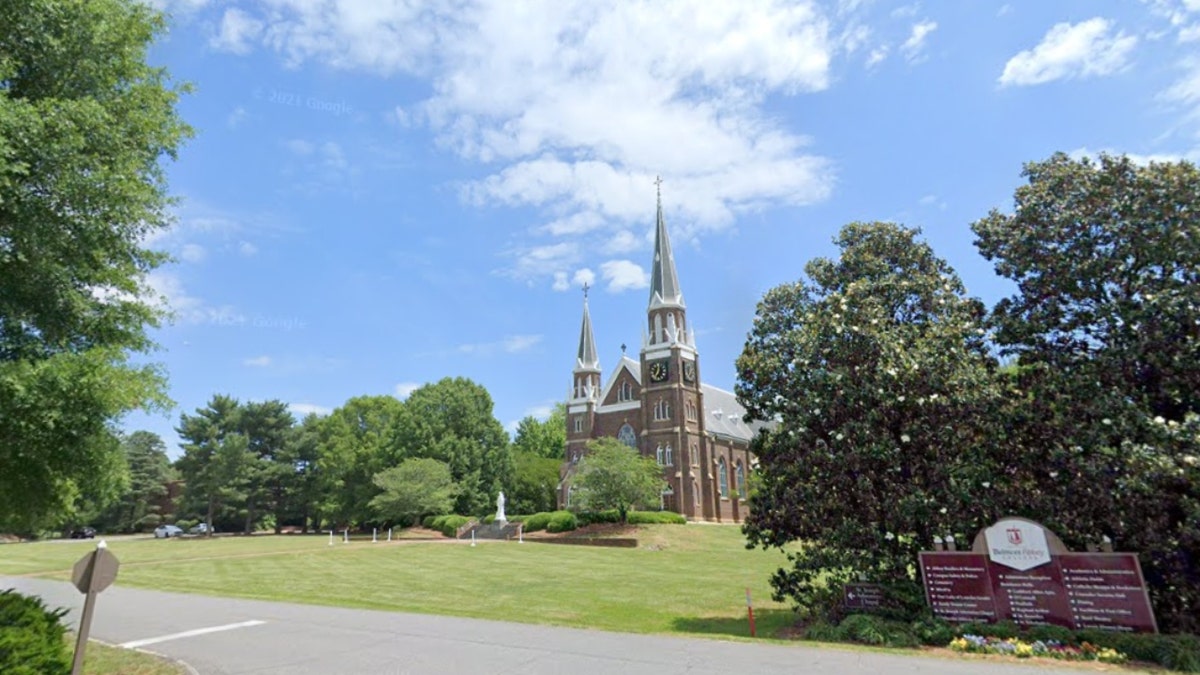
(664, 283)
(587, 358)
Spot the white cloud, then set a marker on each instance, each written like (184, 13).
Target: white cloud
(1004, 10)
(906, 11)
(914, 47)
(165, 290)
(574, 106)
(193, 253)
(584, 277)
(520, 343)
(237, 33)
(512, 344)
(304, 409)
(877, 56)
(405, 389)
(1189, 33)
(1086, 49)
(247, 249)
(623, 275)
(236, 117)
(299, 146)
(257, 361)
(560, 281)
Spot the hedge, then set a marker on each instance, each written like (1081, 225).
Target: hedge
(655, 518)
(32, 638)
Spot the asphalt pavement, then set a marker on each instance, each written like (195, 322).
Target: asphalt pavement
(218, 636)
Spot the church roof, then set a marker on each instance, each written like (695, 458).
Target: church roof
(723, 415)
(626, 363)
(664, 282)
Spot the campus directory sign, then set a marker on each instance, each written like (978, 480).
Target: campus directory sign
(1022, 579)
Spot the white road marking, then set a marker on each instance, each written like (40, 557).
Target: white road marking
(190, 633)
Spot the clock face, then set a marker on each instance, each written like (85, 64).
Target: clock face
(658, 371)
(689, 371)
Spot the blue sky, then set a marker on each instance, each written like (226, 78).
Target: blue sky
(382, 194)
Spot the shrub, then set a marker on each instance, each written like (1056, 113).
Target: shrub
(592, 517)
(561, 521)
(427, 522)
(656, 518)
(448, 525)
(537, 521)
(185, 524)
(32, 638)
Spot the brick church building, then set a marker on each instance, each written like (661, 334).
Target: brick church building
(659, 406)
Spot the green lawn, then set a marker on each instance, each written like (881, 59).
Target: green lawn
(102, 659)
(680, 579)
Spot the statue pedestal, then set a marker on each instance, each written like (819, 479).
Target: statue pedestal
(498, 530)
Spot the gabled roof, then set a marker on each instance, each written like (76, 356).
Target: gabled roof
(723, 415)
(626, 363)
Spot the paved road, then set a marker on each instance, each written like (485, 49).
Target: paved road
(303, 639)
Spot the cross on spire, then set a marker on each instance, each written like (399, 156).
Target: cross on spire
(658, 184)
(586, 286)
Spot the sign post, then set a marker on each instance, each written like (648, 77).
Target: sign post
(93, 573)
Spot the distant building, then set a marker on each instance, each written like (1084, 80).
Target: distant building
(659, 406)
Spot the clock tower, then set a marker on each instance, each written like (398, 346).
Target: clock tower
(672, 401)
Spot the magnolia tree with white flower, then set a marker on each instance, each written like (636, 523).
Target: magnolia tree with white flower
(876, 371)
(1101, 419)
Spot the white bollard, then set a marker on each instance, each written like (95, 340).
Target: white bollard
(520, 534)
(472, 537)
(346, 536)
(389, 534)
(374, 539)
(331, 537)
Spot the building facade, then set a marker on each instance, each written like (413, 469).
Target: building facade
(660, 406)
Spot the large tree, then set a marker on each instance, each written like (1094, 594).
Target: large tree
(140, 506)
(215, 459)
(1105, 325)
(613, 475)
(417, 487)
(355, 443)
(84, 123)
(874, 373)
(543, 438)
(269, 470)
(451, 421)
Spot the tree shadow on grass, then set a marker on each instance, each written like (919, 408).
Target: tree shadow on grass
(769, 623)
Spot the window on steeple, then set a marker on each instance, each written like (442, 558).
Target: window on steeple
(668, 459)
(578, 424)
(659, 455)
(662, 410)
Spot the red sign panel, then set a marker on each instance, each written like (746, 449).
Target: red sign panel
(1106, 590)
(958, 586)
(1076, 590)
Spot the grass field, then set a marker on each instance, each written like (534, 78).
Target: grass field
(102, 659)
(681, 579)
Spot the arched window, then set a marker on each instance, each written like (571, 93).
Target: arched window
(662, 410)
(626, 436)
(723, 477)
(660, 455)
(669, 460)
(741, 479)
(625, 391)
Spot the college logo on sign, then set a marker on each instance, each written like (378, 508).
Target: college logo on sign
(1017, 544)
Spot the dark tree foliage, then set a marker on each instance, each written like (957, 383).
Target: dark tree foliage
(1102, 413)
(875, 373)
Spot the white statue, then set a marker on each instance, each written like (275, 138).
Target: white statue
(500, 508)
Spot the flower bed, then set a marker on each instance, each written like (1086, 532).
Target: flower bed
(1053, 649)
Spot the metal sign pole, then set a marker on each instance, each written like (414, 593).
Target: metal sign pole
(93, 573)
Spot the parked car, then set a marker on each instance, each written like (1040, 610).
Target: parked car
(167, 531)
(201, 528)
(83, 533)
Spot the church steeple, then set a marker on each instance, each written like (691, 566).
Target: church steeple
(666, 316)
(664, 282)
(587, 363)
